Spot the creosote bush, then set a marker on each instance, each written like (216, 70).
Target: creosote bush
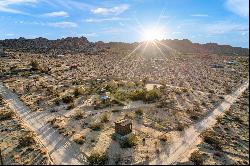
(131, 141)
(68, 99)
(197, 158)
(34, 65)
(210, 138)
(105, 118)
(27, 140)
(96, 126)
(78, 114)
(97, 158)
(139, 112)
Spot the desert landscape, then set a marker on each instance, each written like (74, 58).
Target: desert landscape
(118, 82)
(82, 98)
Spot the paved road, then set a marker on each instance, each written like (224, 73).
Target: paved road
(190, 138)
(62, 150)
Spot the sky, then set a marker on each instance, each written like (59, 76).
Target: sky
(201, 21)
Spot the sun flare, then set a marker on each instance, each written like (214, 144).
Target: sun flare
(151, 34)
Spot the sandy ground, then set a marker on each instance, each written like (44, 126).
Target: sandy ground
(182, 148)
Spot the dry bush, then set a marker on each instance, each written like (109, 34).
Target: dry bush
(97, 158)
(79, 91)
(78, 114)
(129, 115)
(79, 138)
(131, 141)
(164, 138)
(96, 126)
(34, 65)
(139, 112)
(152, 96)
(27, 140)
(105, 118)
(209, 137)
(197, 158)
(68, 99)
(71, 106)
(56, 123)
(180, 126)
(6, 115)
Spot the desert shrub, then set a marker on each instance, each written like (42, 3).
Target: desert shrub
(194, 117)
(164, 138)
(238, 119)
(6, 115)
(79, 91)
(26, 140)
(78, 114)
(197, 158)
(68, 99)
(111, 88)
(119, 96)
(130, 141)
(152, 96)
(210, 138)
(139, 112)
(97, 158)
(137, 94)
(34, 65)
(79, 138)
(180, 126)
(104, 118)
(129, 115)
(71, 106)
(219, 119)
(96, 126)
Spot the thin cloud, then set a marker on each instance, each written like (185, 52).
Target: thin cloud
(226, 27)
(56, 14)
(7, 5)
(105, 19)
(239, 7)
(199, 15)
(108, 11)
(89, 34)
(63, 24)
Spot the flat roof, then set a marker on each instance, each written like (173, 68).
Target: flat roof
(123, 122)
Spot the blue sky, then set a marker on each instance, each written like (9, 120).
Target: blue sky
(203, 21)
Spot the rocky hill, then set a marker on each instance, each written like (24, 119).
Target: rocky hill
(53, 47)
(82, 45)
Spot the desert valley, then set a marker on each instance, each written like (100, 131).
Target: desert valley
(71, 101)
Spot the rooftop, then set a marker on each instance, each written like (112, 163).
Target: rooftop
(123, 122)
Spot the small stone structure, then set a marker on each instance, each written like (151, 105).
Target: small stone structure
(123, 127)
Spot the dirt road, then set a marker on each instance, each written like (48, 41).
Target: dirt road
(182, 148)
(62, 150)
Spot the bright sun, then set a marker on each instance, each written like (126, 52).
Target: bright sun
(152, 34)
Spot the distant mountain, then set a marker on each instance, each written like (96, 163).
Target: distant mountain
(186, 46)
(82, 45)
